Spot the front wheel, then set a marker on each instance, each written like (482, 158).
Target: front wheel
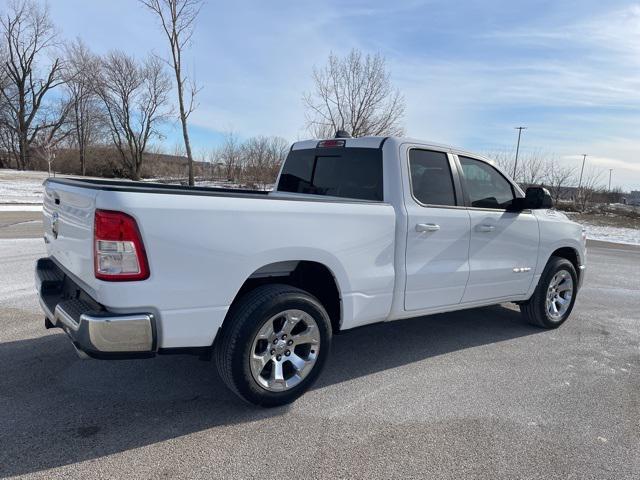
(273, 345)
(555, 295)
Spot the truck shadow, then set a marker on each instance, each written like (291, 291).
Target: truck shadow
(58, 410)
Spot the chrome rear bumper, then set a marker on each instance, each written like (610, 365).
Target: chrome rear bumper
(94, 331)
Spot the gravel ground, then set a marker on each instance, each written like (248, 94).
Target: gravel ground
(475, 394)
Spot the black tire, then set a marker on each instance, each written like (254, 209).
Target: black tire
(534, 310)
(232, 348)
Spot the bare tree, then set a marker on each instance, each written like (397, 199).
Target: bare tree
(214, 166)
(262, 157)
(28, 35)
(533, 168)
(8, 146)
(592, 183)
(85, 113)
(9, 152)
(47, 151)
(502, 159)
(355, 94)
(177, 18)
(278, 149)
(8, 139)
(134, 96)
(230, 155)
(558, 178)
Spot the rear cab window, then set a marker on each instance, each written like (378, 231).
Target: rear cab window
(354, 173)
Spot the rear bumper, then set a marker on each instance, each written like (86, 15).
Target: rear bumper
(94, 331)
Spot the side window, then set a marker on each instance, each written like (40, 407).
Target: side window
(487, 188)
(431, 181)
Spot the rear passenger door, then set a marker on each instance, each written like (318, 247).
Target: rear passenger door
(504, 244)
(437, 249)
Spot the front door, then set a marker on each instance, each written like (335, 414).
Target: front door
(504, 244)
(437, 249)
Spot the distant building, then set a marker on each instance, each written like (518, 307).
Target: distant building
(633, 198)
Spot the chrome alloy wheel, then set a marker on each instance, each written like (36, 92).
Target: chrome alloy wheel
(559, 294)
(284, 350)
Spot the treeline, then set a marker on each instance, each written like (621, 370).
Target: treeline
(568, 183)
(57, 96)
(63, 106)
(252, 163)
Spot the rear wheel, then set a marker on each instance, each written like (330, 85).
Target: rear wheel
(552, 302)
(273, 345)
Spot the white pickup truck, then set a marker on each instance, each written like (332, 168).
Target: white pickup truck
(357, 231)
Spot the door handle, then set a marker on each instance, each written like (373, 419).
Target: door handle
(485, 228)
(427, 227)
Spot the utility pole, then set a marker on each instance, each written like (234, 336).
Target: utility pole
(515, 165)
(609, 191)
(584, 159)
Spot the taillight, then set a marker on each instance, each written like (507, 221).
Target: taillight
(118, 250)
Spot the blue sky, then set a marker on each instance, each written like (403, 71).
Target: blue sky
(470, 71)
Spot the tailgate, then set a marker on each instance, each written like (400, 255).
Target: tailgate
(68, 227)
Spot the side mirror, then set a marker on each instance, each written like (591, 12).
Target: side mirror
(538, 197)
(535, 197)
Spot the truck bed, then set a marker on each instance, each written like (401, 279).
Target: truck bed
(153, 187)
(169, 189)
(203, 243)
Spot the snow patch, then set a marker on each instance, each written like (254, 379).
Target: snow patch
(627, 236)
(21, 186)
(20, 208)
(25, 187)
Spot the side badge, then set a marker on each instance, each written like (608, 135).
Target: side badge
(521, 269)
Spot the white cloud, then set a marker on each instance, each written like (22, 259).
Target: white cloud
(577, 87)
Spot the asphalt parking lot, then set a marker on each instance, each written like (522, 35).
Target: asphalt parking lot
(473, 394)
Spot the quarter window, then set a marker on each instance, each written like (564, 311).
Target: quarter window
(431, 181)
(486, 187)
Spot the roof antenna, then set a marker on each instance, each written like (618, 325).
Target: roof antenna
(342, 134)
